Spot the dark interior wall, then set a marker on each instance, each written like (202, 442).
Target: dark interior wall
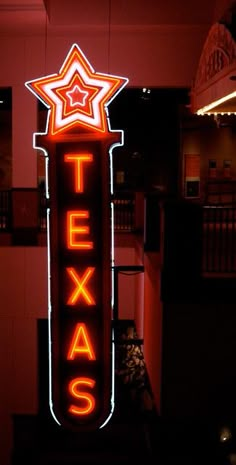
(151, 124)
(218, 144)
(213, 141)
(199, 346)
(199, 325)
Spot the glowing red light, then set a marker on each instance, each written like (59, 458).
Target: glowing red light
(79, 188)
(77, 95)
(81, 344)
(74, 230)
(81, 289)
(79, 160)
(83, 397)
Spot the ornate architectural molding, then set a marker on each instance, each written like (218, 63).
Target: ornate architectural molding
(218, 53)
(215, 78)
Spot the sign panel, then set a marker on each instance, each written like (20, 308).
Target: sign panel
(77, 145)
(80, 248)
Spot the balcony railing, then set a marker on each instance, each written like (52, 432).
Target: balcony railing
(218, 226)
(124, 211)
(219, 239)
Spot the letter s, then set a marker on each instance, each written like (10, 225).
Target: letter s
(87, 399)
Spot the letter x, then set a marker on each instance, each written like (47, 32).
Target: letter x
(81, 290)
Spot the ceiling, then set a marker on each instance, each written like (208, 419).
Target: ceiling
(60, 17)
(130, 12)
(16, 15)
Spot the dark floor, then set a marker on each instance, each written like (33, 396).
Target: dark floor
(136, 432)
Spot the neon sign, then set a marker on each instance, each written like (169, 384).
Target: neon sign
(77, 96)
(77, 144)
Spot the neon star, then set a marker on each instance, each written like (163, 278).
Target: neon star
(77, 96)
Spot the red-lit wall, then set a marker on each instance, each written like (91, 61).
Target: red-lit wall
(23, 290)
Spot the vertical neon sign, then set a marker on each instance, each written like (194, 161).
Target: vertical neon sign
(77, 144)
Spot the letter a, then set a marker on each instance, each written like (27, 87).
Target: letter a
(80, 344)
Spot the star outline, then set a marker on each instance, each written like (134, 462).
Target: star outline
(76, 64)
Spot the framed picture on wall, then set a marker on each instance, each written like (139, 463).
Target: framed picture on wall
(192, 175)
(212, 168)
(227, 168)
(192, 189)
